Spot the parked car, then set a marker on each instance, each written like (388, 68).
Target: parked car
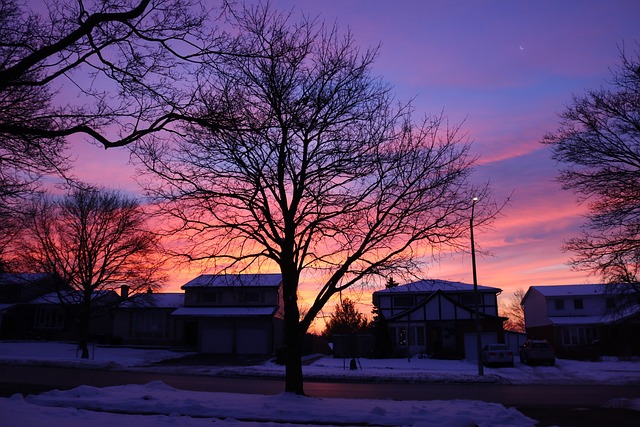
(537, 352)
(497, 355)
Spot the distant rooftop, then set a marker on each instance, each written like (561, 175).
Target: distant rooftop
(574, 290)
(225, 280)
(432, 285)
(155, 300)
(23, 278)
(224, 311)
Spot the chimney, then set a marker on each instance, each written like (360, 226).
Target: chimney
(124, 292)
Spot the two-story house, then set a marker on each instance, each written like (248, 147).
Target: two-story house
(233, 314)
(581, 320)
(437, 318)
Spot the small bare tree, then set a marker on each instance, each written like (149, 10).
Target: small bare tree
(96, 241)
(322, 172)
(514, 312)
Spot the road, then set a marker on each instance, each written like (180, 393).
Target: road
(536, 401)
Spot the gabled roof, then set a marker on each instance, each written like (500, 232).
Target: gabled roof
(72, 297)
(436, 294)
(155, 300)
(227, 280)
(20, 278)
(570, 290)
(432, 285)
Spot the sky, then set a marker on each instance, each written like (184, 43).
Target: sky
(505, 68)
(159, 404)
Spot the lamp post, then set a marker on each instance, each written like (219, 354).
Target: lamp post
(475, 293)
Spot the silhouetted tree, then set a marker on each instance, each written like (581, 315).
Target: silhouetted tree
(322, 171)
(598, 141)
(96, 241)
(117, 60)
(513, 310)
(110, 70)
(345, 319)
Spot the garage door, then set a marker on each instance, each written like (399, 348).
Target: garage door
(218, 340)
(253, 341)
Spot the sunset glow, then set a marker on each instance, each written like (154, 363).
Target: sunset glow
(505, 69)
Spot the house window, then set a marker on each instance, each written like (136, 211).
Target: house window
(559, 304)
(208, 296)
(403, 301)
(469, 300)
(578, 304)
(413, 335)
(251, 297)
(611, 303)
(49, 318)
(579, 336)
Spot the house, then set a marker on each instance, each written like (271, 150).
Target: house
(233, 314)
(56, 315)
(147, 319)
(437, 318)
(582, 320)
(17, 320)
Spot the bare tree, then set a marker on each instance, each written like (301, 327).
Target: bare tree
(513, 310)
(119, 60)
(112, 71)
(598, 140)
(109, 70)
(322, 174)
(96, 241)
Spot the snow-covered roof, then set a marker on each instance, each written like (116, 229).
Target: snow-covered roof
(23, 278)
(159, 300)
(432, 285)
(71, 296)
(570, 290)
(578, 290)
(225, 280)
(588, 320)
(224, 311)
(5, 306)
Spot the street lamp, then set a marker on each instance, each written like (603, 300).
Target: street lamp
(475, 293)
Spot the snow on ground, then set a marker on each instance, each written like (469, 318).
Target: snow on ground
(157, 404)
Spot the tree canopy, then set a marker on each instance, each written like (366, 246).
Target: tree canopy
(320, 173)
(345, 319)
(95, 241)
(598, 143)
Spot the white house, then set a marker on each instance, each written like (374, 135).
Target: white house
(582, 320)
(437, 317)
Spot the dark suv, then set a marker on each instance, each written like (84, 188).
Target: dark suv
(537, 352)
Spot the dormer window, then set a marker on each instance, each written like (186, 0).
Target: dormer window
(209, 296)
(251, 297)
(403, 301)
(578, 304)
(559, 304)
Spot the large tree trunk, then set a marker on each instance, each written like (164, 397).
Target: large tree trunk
(293, 332)
(83, 328)
(293, 358)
